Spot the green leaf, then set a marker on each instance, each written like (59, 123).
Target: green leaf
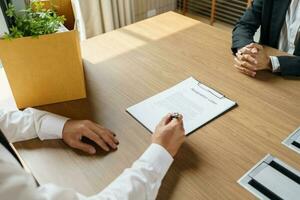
(35, 20)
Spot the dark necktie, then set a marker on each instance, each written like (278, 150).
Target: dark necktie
(6, 144)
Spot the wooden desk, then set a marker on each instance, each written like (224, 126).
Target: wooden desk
(126, 66)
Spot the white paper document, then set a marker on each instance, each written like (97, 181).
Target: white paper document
(196, 102)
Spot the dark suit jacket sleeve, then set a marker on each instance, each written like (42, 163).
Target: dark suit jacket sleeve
(245, 29)
(289, 65)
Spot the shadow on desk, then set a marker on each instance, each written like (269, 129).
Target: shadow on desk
(185, 160)
(76, 109)
(269, 77)
(57, 145)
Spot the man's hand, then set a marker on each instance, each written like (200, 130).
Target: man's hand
(252, 58)
(74, 130)
(169, 133)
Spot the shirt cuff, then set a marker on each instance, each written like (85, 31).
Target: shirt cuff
(52, 126)
(275, 64)
(159, 158)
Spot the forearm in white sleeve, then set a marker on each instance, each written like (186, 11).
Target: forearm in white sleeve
(141, 181)
(31, 123)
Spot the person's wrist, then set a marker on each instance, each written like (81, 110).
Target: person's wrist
(163, 146)
(269, 64)
(65, 127)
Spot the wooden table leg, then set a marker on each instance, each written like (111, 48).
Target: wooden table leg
(249, 3)
(185, 6)
(213, 12)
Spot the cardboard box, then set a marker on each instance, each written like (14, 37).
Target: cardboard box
(45, 69)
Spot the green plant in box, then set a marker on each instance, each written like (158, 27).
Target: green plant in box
(35, 20)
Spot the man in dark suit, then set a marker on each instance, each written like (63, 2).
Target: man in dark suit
(280, 28)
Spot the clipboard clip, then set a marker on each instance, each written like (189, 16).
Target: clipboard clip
(211, 91)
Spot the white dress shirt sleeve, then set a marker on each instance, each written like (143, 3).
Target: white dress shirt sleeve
(275, 64)
(31, 123)
(141, 181)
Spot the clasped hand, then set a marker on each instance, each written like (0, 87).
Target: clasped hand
(251, 59)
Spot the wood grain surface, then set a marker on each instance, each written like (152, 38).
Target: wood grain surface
(128, 65)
